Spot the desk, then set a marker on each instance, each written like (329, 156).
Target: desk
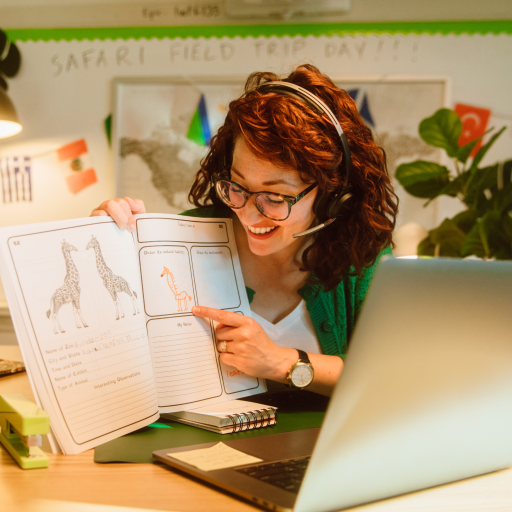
(76, 478)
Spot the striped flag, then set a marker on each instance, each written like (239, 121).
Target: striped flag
(76, 158)
(16, 178)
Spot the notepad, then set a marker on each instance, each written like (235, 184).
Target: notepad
(219, 456)
(228, 417)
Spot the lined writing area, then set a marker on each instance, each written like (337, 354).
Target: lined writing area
(184, 361)
(103, 383)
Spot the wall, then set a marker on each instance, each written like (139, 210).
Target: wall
(64, 92)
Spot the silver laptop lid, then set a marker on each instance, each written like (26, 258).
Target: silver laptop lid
(426, 393)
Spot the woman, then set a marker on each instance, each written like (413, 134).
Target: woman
(305, 291)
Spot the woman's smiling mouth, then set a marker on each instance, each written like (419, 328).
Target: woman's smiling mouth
(261, 233)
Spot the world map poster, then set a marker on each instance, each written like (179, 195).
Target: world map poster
(162, 130)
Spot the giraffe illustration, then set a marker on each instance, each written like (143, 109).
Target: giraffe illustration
(68, 292)
(114, 284)
(179, 296)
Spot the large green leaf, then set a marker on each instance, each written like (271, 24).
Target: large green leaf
(507, 225)
(465, 220)
(494, 236)
(480, 181)
(463, 152)
(455, 187)
(473, 244)
(426, 247)
(442, 130)
(423, 179)
(507, 171)
(483, 150)
(447, 232)
(445, 240)
(502, 199)
(449, 237)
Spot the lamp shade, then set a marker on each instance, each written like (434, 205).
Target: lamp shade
(9, 123)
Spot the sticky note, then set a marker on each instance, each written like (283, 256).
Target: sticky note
(219, 456)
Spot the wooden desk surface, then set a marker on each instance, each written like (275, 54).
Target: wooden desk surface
(76, 478)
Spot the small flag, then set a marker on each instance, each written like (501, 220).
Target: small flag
(474, 123)
(199, 129)
(361, 100)
(76, 156)
(16, 178)
(80, 180)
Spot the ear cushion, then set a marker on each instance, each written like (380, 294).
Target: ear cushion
(330, 206)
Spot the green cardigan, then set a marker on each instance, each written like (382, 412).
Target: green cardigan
(333, 313)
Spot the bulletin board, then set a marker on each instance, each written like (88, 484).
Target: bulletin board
(157, 153)
(64, 92)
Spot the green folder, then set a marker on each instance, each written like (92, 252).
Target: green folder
(301, 411)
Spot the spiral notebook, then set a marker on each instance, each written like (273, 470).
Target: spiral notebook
(228, 417)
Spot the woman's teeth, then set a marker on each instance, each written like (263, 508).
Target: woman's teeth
(260, 231)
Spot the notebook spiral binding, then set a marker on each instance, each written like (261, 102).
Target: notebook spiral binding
(253, 419)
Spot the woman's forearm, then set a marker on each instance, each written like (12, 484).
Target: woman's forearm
(327, 370)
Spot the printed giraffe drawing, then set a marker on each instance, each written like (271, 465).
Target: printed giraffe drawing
(179, 296)
(114, 284)
(68, 292)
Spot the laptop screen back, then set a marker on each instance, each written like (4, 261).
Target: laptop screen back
(425, 396)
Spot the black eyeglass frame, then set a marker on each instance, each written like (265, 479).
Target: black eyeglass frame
(290, 200)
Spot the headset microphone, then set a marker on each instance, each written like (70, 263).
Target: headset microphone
(326, 206)
(310, 231)
(326, 223)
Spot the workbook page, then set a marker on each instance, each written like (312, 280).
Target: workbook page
(76, 301)
(186, 261)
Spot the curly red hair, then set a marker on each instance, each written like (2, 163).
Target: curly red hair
(285, 131)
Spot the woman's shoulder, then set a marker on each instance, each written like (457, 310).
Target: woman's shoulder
(367, 272)
(210, 211)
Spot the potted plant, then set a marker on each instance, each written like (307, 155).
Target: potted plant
(484, 228)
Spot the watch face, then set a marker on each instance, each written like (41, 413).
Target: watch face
(302, 375)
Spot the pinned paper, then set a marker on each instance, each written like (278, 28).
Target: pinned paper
(76, 156)
(219, 456)
(80, 180)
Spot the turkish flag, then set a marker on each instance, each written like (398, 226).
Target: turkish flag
(474, 123)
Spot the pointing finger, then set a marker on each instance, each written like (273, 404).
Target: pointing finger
(218, 315)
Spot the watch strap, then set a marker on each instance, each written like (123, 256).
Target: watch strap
(303, 356)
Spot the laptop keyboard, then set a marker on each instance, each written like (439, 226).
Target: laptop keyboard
(287, 474)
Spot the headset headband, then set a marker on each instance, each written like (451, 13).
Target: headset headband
(316, 104)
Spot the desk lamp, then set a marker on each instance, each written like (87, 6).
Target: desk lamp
(9, 123)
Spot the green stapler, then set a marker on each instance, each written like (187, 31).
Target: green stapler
(22, 423)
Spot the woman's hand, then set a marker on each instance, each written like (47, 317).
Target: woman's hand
(121, 211)
(248, 348)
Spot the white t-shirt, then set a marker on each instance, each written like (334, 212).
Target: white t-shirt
(294, 331)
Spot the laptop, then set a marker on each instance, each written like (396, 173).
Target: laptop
(424, 398)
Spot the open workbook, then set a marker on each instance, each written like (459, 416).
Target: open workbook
(104, 321)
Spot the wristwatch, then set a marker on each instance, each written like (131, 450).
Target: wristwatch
(301, 374)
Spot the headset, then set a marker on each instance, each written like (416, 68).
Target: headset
(327, 207)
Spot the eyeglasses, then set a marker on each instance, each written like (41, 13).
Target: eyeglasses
(271, 205)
